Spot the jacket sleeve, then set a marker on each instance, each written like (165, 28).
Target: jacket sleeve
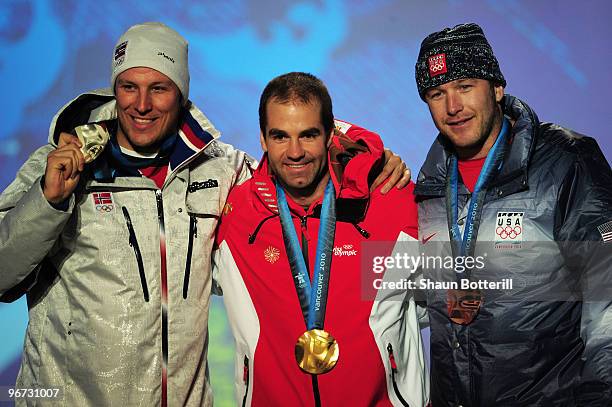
(29, 227)
(242, 165)
(584, 208)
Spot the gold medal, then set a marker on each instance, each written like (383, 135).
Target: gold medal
(93, 138)
(316, 351)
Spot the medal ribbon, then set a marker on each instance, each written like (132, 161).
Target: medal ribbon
(464, 245)
(313, 297)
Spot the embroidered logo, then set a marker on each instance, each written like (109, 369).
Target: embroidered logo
(228, 208)
(437, 65)
(271, 254)
(509, 230)
(161, 54)
(120, 54)
(103, 201)
(210, 183)
(606, 231)
(345, 250)
(428, 238)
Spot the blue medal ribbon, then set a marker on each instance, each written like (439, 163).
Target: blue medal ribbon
(463, 245)
(313, 297)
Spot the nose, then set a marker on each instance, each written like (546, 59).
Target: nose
(453, 103)
(143, 104)
(295, 151)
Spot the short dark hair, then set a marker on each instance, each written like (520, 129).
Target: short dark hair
(301, 87)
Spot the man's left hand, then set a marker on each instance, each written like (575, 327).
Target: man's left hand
(395, 173)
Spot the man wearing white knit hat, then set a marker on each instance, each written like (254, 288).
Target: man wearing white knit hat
(110, 236)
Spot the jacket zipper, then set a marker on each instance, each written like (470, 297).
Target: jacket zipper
(193, 233)
(164, 295)
(362, 231)
(253, 235)
(393, 373)
(134, 244)
(245, 379)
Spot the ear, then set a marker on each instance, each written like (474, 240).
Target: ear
(499, 93)
(262, 141)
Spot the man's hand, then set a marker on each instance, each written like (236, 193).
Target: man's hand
(395, 171)
(64, 167)
(68, 138)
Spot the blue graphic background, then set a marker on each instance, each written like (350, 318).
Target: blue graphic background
(554, 54)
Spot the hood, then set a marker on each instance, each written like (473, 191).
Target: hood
(195, 131)
(432, 177)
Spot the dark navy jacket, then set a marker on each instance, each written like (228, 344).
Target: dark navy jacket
(538, 344)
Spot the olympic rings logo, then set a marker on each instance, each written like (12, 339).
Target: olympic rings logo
(508, 232)
(436, 67)
(105, 208)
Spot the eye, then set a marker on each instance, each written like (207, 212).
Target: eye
(159, 88)
(465, 86)
(434, 95)
(127, 87)
(278, 137)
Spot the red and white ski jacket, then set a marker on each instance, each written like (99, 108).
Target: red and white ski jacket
(381, 359)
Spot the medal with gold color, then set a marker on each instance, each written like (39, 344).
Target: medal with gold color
(93, 138)
(316, 351)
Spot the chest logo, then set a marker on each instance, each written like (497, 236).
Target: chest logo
(509, 230)
(103, 202)
(345, 250)
(271, 254)
(228, 208)
(210, 183)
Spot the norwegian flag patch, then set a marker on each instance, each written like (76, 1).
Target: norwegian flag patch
(437, 65)
(606, 231)
(103, 201)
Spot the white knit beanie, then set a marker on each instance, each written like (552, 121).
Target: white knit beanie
(157, 46)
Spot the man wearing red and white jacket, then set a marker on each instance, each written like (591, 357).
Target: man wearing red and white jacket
(308, 156)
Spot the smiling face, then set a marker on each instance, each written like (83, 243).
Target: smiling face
(297, 145)
(148, 108)
(467, 112)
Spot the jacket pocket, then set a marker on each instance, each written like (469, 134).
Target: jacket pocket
(246, 380)
(393, 374)
(193, 233)
(134, 243)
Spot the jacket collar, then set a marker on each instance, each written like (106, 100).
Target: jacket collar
(513, 175)
(349, 163)
(195, 132)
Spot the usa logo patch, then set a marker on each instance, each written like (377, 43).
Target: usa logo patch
(103, 202)
(509, 230)
(437, 65)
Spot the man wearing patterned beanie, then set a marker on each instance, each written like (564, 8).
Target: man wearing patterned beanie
(534, 200)
(114, 256)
